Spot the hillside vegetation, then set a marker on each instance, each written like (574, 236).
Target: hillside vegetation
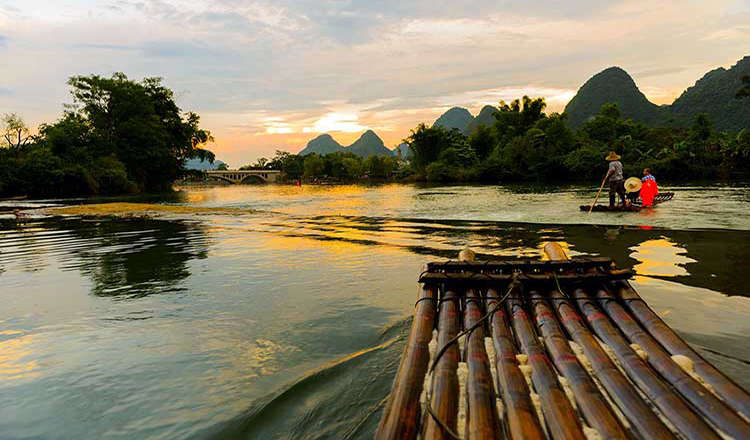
(716, 94)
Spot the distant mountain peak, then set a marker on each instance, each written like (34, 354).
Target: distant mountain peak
(613, 84)
(322, 144)
(712, 94)
(368, 144)
(455, 117)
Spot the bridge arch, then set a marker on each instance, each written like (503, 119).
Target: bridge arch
(220, 178)
(253, 179)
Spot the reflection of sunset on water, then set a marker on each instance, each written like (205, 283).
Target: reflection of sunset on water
(16, 357)
(660, 257)
(190, 319)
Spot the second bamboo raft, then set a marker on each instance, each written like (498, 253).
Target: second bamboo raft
(561, 349)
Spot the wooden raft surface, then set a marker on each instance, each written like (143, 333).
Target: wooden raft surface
(619, 389)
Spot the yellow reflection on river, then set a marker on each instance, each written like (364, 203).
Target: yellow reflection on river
(660, 257)
(14, 353)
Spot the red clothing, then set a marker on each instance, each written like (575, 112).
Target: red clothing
(649, 190)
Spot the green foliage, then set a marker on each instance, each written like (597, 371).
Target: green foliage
(314, 166)
(260, 164)
(721, 93)
(15, 134)
(744, 92)
(379, 166)
(525, 144)
(119, 136)
(292, 165)
(483, 141)
(514, 119)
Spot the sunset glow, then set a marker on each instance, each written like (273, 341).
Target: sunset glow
(273, 75)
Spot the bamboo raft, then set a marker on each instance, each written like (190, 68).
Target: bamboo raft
(561, 349)
(634, 207)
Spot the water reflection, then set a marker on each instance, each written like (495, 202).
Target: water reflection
(139, 257)
(17, 360)
(660, 257)
(148, 328)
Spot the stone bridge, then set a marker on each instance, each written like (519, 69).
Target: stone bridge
(244, 176)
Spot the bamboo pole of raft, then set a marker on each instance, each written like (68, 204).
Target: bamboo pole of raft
(713, 408)
(482, 419)
(645, 422)
(401, 415)
(522, 421)
(558, 412)
(669, 403)
(733, 394)
(445, 387)
(592, 405)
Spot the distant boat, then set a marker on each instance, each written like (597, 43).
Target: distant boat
(634, 207)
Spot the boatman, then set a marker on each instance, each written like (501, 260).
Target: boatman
(615, 179)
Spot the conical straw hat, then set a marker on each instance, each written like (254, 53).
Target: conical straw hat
(633, 184)
(612, 156)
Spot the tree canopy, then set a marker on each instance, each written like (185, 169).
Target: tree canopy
(118, 135)
(526, 144)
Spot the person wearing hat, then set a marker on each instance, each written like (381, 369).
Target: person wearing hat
(633, 188)
(650, 189)
(615, 179)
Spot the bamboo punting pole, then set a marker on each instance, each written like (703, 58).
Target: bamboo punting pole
(670, 404)
(522, 421)
(592, 405)
(401, 415)
(733, 394)
(643, 420)
(445, 388)
(558, 412)
(706, 402)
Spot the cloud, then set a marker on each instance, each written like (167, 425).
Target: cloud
(731, 33)
(261, 72)
(336, 122)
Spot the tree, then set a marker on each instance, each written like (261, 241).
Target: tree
(222, 167)
(16, 135)
(702, 128)
(744, 92)
(516, 118)
(427, 143)
(483, 141)
(139, 123)
(314, 166)
(353, 167)
(259, 164)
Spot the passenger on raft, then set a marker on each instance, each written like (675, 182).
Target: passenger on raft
(615, 179)
(649, 190)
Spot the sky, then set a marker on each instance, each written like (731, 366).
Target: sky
(271, 75)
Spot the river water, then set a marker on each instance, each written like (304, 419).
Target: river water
(288, 322)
